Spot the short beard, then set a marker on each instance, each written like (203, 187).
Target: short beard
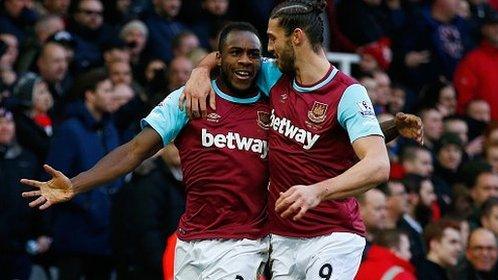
(288, 59)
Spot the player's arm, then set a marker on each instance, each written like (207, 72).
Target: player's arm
(371, 170)
(198, 88)
(406, 125)
(118, 162)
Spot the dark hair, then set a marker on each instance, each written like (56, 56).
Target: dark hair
(488, 205)
(473, 169)
(413, 183)
(232, 27)
(302, 14)
(430, 93)
(88, 81)
(435, 230)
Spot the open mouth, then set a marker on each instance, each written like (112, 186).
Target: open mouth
(243, 74)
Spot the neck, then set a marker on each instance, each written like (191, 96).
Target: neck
(392, 219)
(439, 15)
(96, 114)
(310, 67)
(434, 258)
(227, 88)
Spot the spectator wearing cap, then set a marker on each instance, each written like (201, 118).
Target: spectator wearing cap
(65, 39)
(449, 155)
(476, 74)
(163, 28)
(17, 17)
(22, 229)
(81, 226)
(90, 33)
(33, 124)
(481, 257)
(45, 27)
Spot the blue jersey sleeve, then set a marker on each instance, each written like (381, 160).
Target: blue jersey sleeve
(268, 75)
(356, 114)
(166, 118)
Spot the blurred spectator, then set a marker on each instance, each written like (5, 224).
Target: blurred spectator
(373, 211)
(120, 72)
(163, 28)
(17, 17)
(8, 57)
(122, 94)
(476, 75)
(118, 12)
(44, 28)
(213, 12)
(397, 101)
(457, 126)
(420, 198)
(196, 55)
(440, 95)
(135, 34)
(489, 215)
(491, 155)
(383, 90)
(52, 67)
(160, 201)
(115, 51)
(449, 154)
(397, 202)
(444, 248)
(417, 160)
(432, 120)
(81, 226)
(436, 40)
(53, 7)
(155, 87)
(90, 33)
(65, 39)
(22, 229)
(480, 257)
(485, 185)
(33, 124)
(179, 72)
(479, 109)
(388, 258)
(184, 43)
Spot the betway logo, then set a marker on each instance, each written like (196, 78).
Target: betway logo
(233, 140)
(287, 129)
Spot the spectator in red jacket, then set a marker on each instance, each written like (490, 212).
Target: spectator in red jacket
(476, 74)
(388, 258)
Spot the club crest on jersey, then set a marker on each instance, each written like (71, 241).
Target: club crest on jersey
(264, 119)
(318, 112)
(213, 117)
(283, 97)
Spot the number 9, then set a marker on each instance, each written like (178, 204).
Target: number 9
(326, 271)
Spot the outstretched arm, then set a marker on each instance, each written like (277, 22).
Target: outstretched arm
(371, 170)
(198, 88)
(118, 162)
(406, 125)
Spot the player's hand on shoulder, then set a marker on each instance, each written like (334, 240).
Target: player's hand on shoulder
(58, 189)
(195, 95)
(410, 126)
(297, 200)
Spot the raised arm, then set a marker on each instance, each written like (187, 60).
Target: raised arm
(371, 170)
(198, 88)
(118, 162)
(406, 125)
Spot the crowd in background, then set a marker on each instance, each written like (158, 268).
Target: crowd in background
(76, 77)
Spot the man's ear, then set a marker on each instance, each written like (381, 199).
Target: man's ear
(218, 58)
(297, 36)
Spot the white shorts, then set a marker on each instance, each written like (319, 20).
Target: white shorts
(242, 259)
(334, 256)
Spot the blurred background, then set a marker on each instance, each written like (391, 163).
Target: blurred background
(76, 77)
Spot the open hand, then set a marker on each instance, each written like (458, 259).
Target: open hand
(197, 89)
(410, 126)
(298, 199)
(58, 189)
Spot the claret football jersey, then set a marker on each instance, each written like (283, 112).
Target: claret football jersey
(224, 162)
(311, 134)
